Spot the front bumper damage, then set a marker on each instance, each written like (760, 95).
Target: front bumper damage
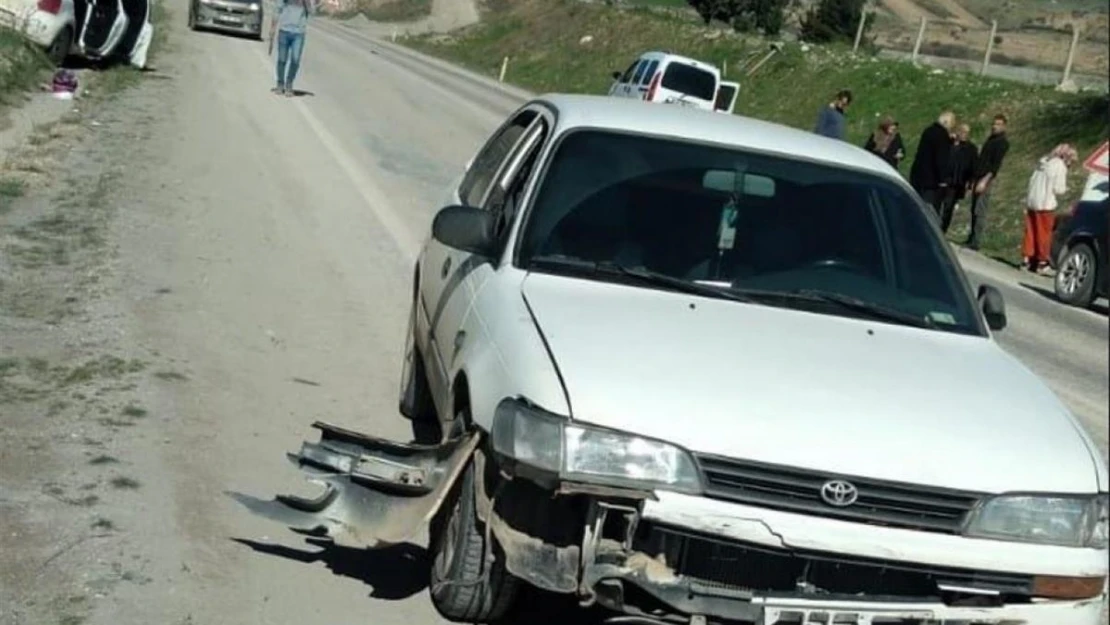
(595, 542)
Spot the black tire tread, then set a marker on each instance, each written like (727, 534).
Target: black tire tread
(475, 603)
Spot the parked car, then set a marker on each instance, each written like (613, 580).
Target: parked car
(93, 29)
(1079, 251)
(718, 369)
(234, 16)
(50, 24)
(674, 79)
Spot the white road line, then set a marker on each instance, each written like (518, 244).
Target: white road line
(407, 242)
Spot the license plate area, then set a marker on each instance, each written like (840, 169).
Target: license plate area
(794, 616)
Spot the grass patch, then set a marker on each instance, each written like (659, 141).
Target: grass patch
(541, 39)
(103, 524)
(171, 376)
(135, 412)
(103, 459)
(123, 482)
(21, 65)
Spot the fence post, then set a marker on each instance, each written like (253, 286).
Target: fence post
(1071, 51)
(859, 30)
(393, 36)
(724, 68)
(990, 48)
(504, 68)
(920, 37)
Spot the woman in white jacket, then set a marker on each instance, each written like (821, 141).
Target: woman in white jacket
(1048, 181)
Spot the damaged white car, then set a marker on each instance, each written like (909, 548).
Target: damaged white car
(94, 29)
(705, 369)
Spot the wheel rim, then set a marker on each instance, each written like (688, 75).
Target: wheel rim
(1073, 273)
(448, 543)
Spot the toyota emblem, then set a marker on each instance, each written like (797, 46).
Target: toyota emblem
(839, 494)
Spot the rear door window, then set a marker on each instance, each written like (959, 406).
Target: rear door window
(692, 81)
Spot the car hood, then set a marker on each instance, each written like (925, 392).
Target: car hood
(820, 392)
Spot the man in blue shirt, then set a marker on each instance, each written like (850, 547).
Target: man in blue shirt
(830, 121)
(290, 25)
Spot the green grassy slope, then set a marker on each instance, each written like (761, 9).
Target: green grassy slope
(542, 39)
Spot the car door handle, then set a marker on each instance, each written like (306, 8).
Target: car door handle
(446, 268)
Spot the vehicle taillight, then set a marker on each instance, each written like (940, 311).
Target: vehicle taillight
(50, 6)
(653, 86)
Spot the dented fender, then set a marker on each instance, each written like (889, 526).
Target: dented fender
(375, 492)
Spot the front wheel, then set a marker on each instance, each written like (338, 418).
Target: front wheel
(1076, 276)
(465, 588)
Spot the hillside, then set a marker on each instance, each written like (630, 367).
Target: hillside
(566, 45)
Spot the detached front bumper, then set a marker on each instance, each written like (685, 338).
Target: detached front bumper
(702, 561)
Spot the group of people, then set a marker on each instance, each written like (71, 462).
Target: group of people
(948, 167)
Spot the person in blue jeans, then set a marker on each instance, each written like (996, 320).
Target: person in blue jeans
(290, 24)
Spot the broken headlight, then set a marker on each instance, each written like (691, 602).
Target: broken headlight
(1061, 520)
(588, 453)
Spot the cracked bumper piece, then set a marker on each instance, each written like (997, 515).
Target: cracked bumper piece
(374, 493)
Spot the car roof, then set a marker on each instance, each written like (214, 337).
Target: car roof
(632, 115)
(660, 55)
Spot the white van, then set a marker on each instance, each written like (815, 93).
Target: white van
(674, 79)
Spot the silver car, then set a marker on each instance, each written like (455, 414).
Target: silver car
(234, 16)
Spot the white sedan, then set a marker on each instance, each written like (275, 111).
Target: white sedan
(705, 367)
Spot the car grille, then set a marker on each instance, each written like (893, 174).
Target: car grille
(718, 561)
(798, 490)
(233, 8)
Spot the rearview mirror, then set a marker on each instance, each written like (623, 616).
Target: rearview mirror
(465, 228)
(616, 75)
(724, 180)
(993, 307)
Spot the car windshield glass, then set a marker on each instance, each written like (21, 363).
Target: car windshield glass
(778, 231)
(694, 82)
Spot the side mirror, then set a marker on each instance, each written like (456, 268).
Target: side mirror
(465, 228)
(993, 306)
(616, 75)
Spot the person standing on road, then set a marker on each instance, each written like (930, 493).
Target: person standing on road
(986, 172)
(1048, 181)
(929, 172)
(290, 24)
(830, 121)
(961, 167)
(886, 143)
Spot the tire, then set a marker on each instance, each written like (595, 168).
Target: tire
(58, 51)
(415, 401)
(1077, 275)
(457, 550)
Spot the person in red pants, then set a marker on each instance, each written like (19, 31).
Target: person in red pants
(1048, 181)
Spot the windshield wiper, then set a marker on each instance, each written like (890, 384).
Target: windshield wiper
(639, 275)
(875, 311)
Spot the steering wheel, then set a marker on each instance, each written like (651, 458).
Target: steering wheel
(838, 263)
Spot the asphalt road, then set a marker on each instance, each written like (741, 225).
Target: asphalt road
(281, 234)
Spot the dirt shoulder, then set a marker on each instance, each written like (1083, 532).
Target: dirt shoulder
(73, 384)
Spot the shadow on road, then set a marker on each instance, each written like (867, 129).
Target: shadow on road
(395, 572)
(1099, 306)
(401, 571)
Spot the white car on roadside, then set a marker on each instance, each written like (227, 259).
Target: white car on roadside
(673, 79)
(50, 24)
(713, 368)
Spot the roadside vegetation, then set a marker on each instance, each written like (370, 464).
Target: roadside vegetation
(22, 65)
(570, 46)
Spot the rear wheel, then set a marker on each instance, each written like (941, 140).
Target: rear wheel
(59, 48)
(1076, 276)
(415, 400)
(464, 588)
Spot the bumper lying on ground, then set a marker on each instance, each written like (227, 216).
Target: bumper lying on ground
(641, 553)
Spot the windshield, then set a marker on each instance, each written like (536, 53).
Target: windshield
(780, 231)
(697, 83)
